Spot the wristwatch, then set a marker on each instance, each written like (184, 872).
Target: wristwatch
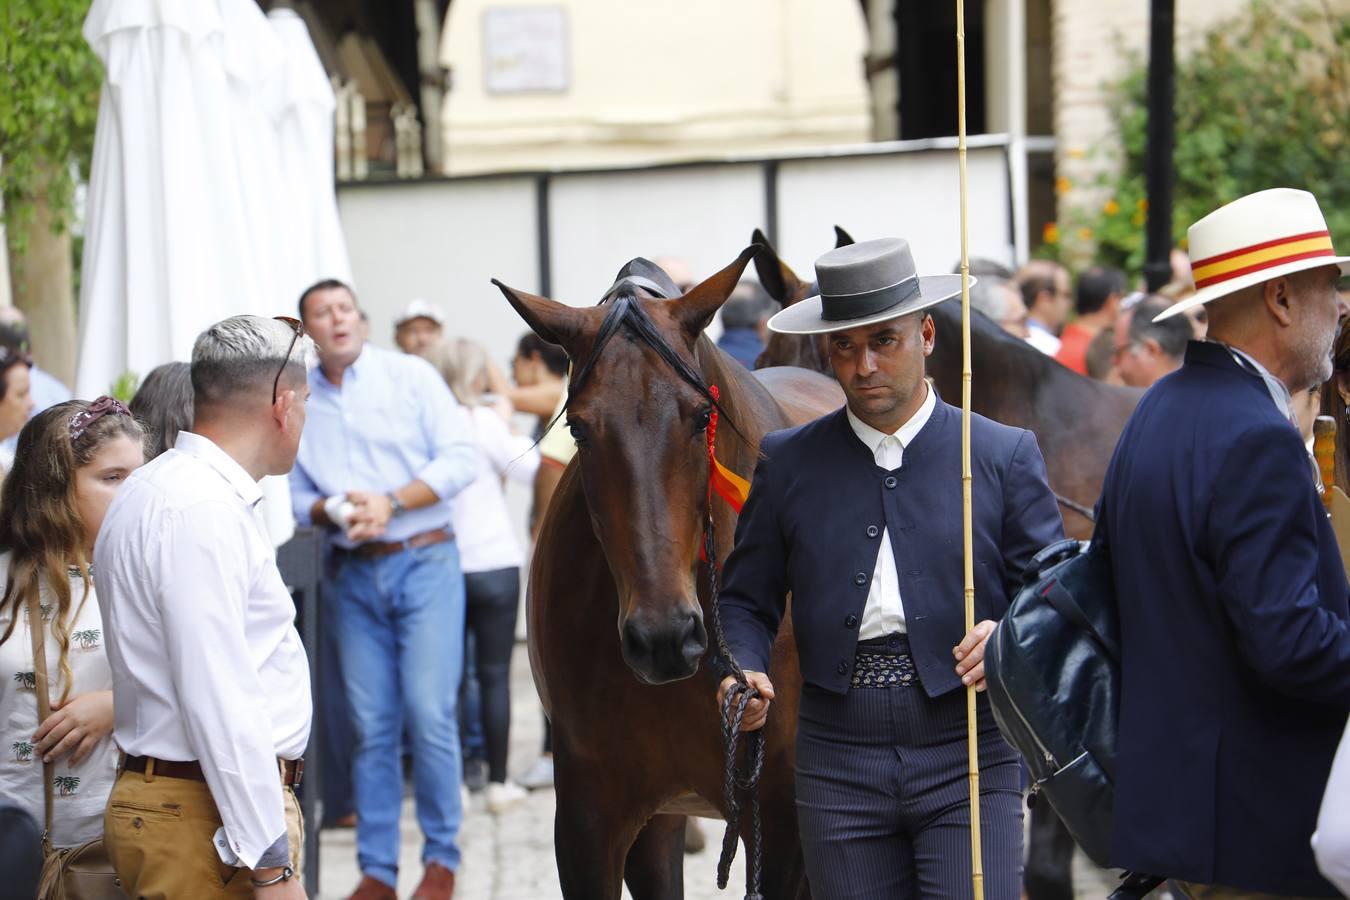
(396, 506)
(286, 874)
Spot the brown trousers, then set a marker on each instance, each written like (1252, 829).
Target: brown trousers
(1218, 892)
(160, 835)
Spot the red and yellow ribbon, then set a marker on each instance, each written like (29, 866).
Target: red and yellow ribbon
(727, 484)
(1258, 257)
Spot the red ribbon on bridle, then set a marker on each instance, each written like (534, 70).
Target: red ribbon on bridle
(722, 481)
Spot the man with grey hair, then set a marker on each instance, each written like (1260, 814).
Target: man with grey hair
(211, 682)
(994, 294)
(1232, 601)
(1147, 350)
(1001, 301)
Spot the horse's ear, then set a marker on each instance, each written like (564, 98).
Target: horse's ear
(842, 238)
(696, 308)
(555, 322)
(780, 281)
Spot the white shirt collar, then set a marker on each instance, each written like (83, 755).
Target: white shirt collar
(873, 438)
(205, 449)
(1278, 390)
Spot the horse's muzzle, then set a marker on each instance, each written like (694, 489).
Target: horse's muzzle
(664, 648)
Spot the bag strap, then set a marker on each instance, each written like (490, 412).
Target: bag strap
(1064, 603)
(38, 634)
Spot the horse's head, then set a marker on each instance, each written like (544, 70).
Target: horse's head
(783, 285)
(639, 408)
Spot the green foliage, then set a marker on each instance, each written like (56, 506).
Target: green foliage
(124, 388)
(49, 84)
(1262, 101)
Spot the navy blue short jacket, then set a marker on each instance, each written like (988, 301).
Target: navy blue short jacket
(813, 522)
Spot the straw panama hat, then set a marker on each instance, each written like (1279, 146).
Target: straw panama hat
(864, 284)
(1254, 239)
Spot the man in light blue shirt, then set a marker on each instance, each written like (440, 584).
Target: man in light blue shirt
(385, 448)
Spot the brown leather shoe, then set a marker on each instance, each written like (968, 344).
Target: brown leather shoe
(438, 883)
(373, 889)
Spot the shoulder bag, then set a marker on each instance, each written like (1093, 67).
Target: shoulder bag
(68, 873)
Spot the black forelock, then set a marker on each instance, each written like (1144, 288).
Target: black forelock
(625, 313)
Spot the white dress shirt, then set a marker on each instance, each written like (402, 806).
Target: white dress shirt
(1331, 841)
(884, 613)
(1042, 338)
(206, 662)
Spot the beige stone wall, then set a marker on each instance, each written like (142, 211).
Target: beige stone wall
(653, 81)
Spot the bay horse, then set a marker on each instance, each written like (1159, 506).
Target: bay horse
(618, 607)
(1076, 419)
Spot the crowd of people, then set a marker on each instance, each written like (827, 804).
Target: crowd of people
(420, 545)
(159, 722)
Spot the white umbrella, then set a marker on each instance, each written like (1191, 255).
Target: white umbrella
(167, 241)
(189, 209)
(312, 245)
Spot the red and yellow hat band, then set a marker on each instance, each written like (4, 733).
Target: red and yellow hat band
(1226, 266)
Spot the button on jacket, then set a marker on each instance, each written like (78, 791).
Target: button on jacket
(805, 530)
(206, 661)
(884, 611)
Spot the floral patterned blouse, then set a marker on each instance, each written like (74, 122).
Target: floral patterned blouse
(79, 793)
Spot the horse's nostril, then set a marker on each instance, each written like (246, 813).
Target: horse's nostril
(695, 638)
(635, 639)
(666, 650)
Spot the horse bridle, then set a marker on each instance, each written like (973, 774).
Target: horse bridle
(737, 777)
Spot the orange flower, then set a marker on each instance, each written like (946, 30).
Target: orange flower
(1050, 233)
(1142, 205)
(1062, 185)
(1085, 234)
(1111, 208)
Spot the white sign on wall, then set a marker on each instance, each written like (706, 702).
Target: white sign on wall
(525, 49)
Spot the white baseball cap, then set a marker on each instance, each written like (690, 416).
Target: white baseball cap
(420, 309)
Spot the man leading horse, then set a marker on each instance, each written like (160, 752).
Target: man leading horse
(858, 515)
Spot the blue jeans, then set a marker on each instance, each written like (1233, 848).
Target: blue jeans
(400, 622)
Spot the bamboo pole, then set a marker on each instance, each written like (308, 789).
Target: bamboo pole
(972, 730)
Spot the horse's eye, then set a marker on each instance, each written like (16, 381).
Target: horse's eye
(578, 432)
(702, 419)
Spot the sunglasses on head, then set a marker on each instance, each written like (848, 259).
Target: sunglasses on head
(299, 330)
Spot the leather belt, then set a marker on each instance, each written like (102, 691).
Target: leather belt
(292, 770)
(372, 549)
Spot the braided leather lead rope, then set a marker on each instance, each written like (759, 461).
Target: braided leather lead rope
(736, 780)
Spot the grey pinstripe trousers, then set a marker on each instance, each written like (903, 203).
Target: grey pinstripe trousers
(883, 795)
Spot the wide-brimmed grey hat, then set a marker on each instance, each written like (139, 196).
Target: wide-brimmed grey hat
(863, 284)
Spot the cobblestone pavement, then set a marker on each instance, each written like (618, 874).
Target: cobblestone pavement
(510, 856)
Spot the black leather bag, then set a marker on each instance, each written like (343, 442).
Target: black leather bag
(1053, 671)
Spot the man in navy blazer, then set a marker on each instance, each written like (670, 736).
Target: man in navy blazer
(859, 516)
(1234, 625)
